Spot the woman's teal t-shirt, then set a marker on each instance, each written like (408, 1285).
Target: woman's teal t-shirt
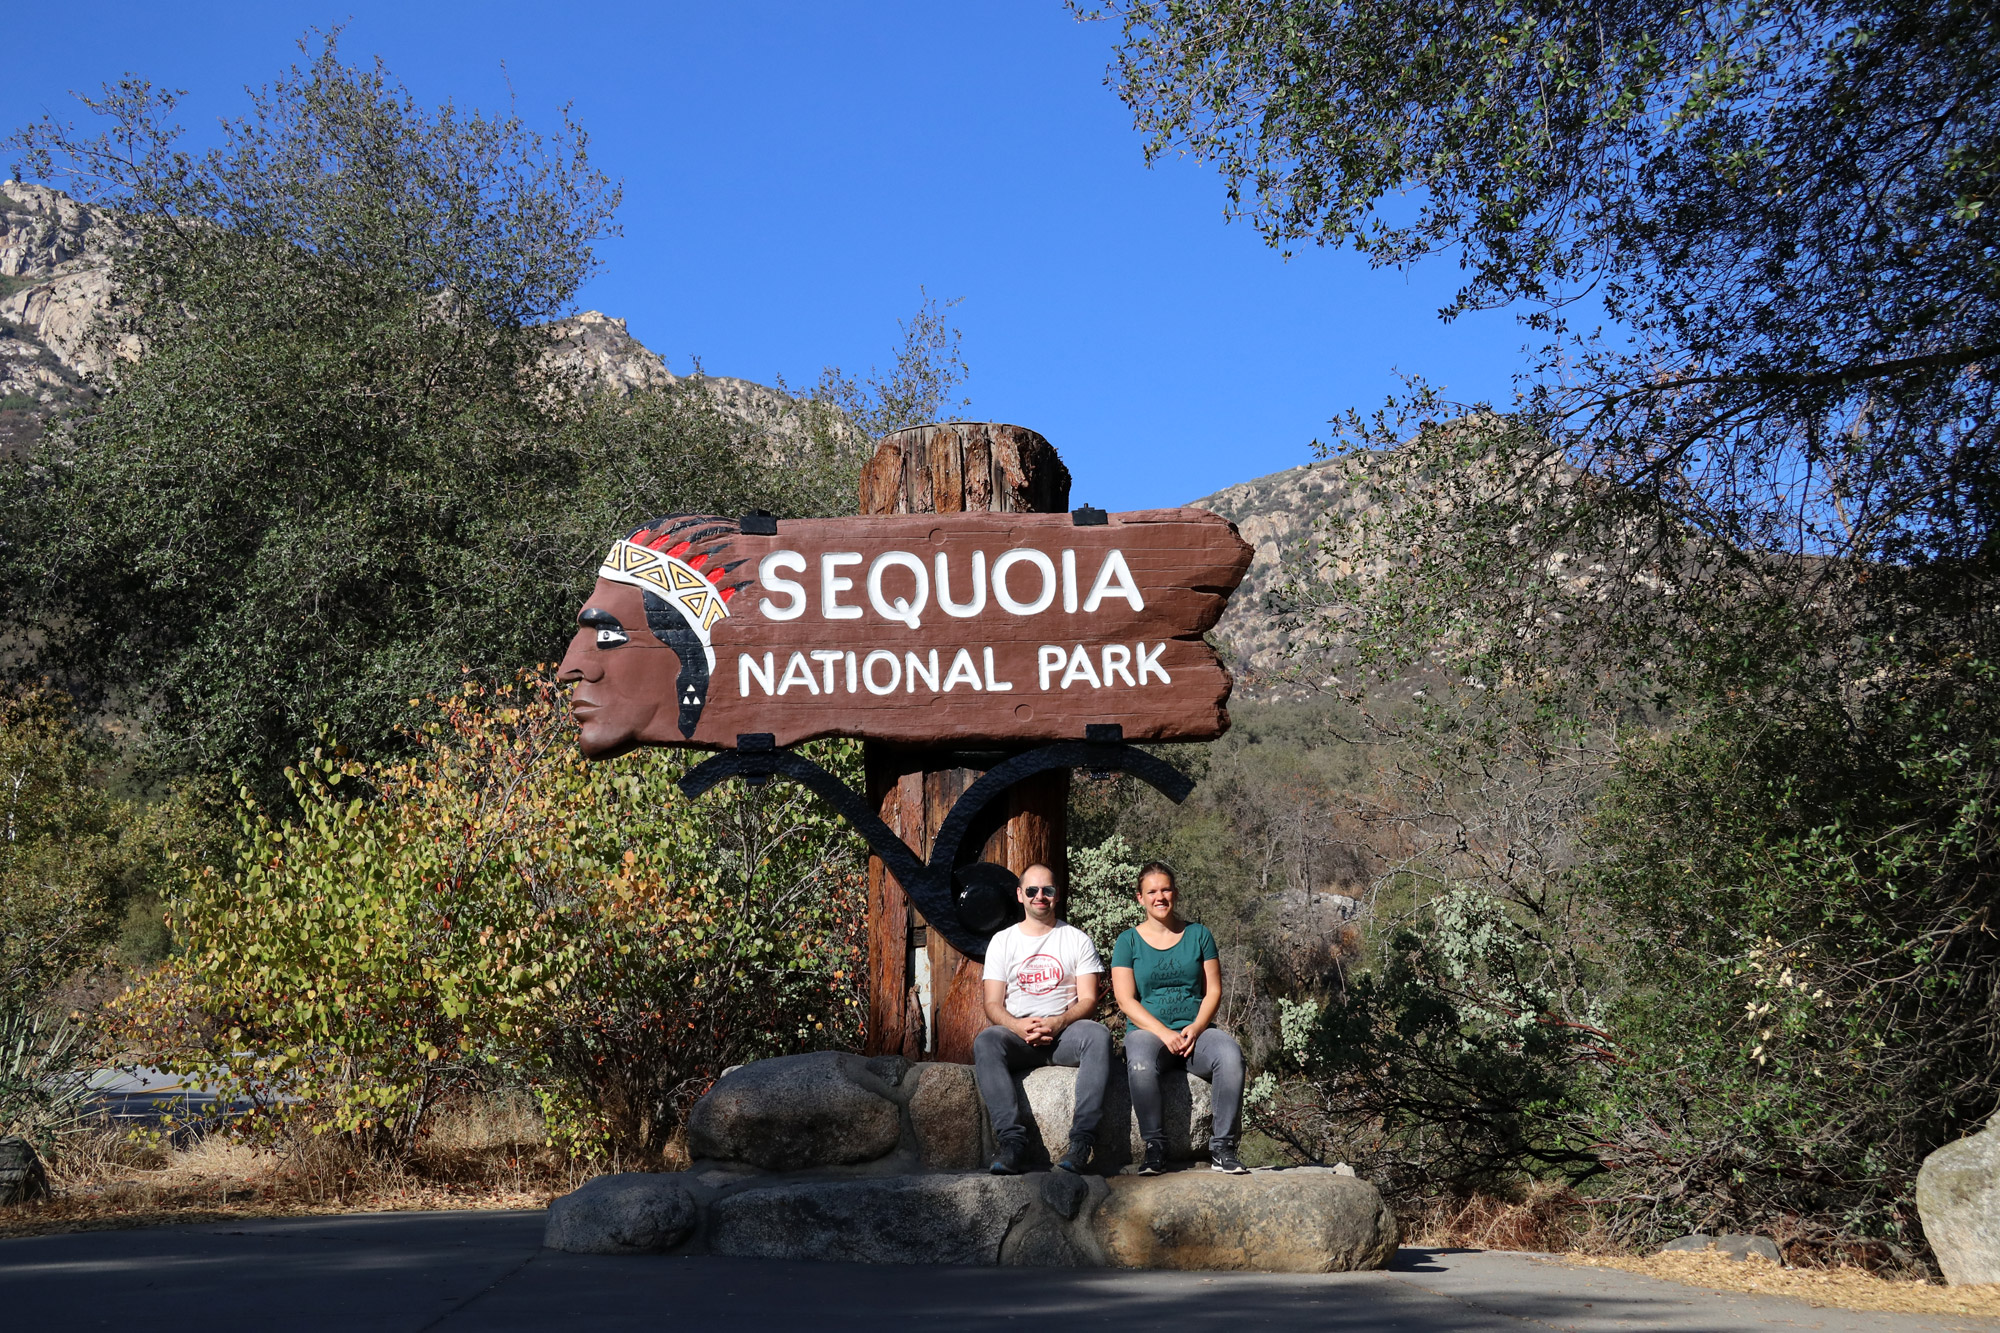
(1169, 981)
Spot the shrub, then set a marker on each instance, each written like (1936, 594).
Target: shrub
(1757, 996)
(46, 1060)
(1446, 1067)
(1101, 883)
(495, 906)
(1807, 902)
(76, 862)
(351, 425)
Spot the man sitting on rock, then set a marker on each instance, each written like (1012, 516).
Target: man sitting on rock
(1041, 988)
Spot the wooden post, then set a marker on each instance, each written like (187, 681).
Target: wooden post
(923, 995)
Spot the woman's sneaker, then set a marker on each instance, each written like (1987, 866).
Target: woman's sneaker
(1156, 1160)
(1225, 1160)
(1077, 1158)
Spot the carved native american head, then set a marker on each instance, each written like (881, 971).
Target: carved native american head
(664, 586)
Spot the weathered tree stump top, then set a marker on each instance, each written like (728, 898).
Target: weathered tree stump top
(964, 467)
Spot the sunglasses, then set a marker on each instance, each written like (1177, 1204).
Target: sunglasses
(1038, 890)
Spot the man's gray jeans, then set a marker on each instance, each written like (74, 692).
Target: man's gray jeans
(999, 1053)
(1215, 1057)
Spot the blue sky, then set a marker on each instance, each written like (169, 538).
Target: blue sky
(795, 172)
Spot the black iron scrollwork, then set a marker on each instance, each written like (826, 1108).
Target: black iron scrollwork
(756, 759)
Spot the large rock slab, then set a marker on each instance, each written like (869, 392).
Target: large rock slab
(1305, 1220)
(948, 1119)
(1051, 1095)
(943, 1219)
(824, 1109)
(1958, 1198)
(629, 1213)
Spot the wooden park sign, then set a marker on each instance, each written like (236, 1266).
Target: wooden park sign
(982, 652)
(940, 629)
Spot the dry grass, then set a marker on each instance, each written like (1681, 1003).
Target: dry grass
(1841, 1288)
(1552, 1220)
(1545, 1217)
(488, 1153)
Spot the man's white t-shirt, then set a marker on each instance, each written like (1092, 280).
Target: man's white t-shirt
(1040, 970)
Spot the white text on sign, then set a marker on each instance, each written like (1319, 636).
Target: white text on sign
(881, 672)
(898, 585)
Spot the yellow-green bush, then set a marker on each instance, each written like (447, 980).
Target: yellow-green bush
(496, 907)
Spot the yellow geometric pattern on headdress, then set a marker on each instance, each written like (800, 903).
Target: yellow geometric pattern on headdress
(672, 578)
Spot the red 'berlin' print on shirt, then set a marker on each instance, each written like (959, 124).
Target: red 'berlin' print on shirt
(1039, 974)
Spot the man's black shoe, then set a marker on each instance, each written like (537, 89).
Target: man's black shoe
(1225, 1160)
(1077, 1158)
(1012, 1158)
(1156, 1160)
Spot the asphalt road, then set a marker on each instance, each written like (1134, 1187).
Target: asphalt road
(465, 1271)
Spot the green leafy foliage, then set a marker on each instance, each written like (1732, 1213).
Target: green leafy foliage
(496, 908)
(82, 875)
(917, 390)
(1264, 851)
(1784, 211)
(1808, 902)
(1100, 900)
(1460, 1042)
(77, 864)
(1444, 1067)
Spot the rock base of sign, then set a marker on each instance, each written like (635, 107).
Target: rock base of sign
(1304, 1220)
(628, 1213)
(831, 1109)
(1958, 1198)
(1301, 1220)
(832, 1156)
(1050, 1096)
(1737, 1247)
(824, 1109)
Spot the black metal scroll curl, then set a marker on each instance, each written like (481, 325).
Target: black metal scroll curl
(929, 884)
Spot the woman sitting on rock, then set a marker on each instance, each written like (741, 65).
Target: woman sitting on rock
(1168, 981)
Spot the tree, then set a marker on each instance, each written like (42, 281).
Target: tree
(929, 369)
(343, 464)
(1748, 524)
(1785, 212)
(842, 416)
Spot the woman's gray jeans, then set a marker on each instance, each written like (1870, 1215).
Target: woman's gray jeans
(1215, 1057)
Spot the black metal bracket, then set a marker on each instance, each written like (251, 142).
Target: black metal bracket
(928, 884)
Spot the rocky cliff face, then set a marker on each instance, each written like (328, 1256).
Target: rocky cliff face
(55, 288)
(55, 284)
(1275, 514)
(604, 353)
(1333, 514)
